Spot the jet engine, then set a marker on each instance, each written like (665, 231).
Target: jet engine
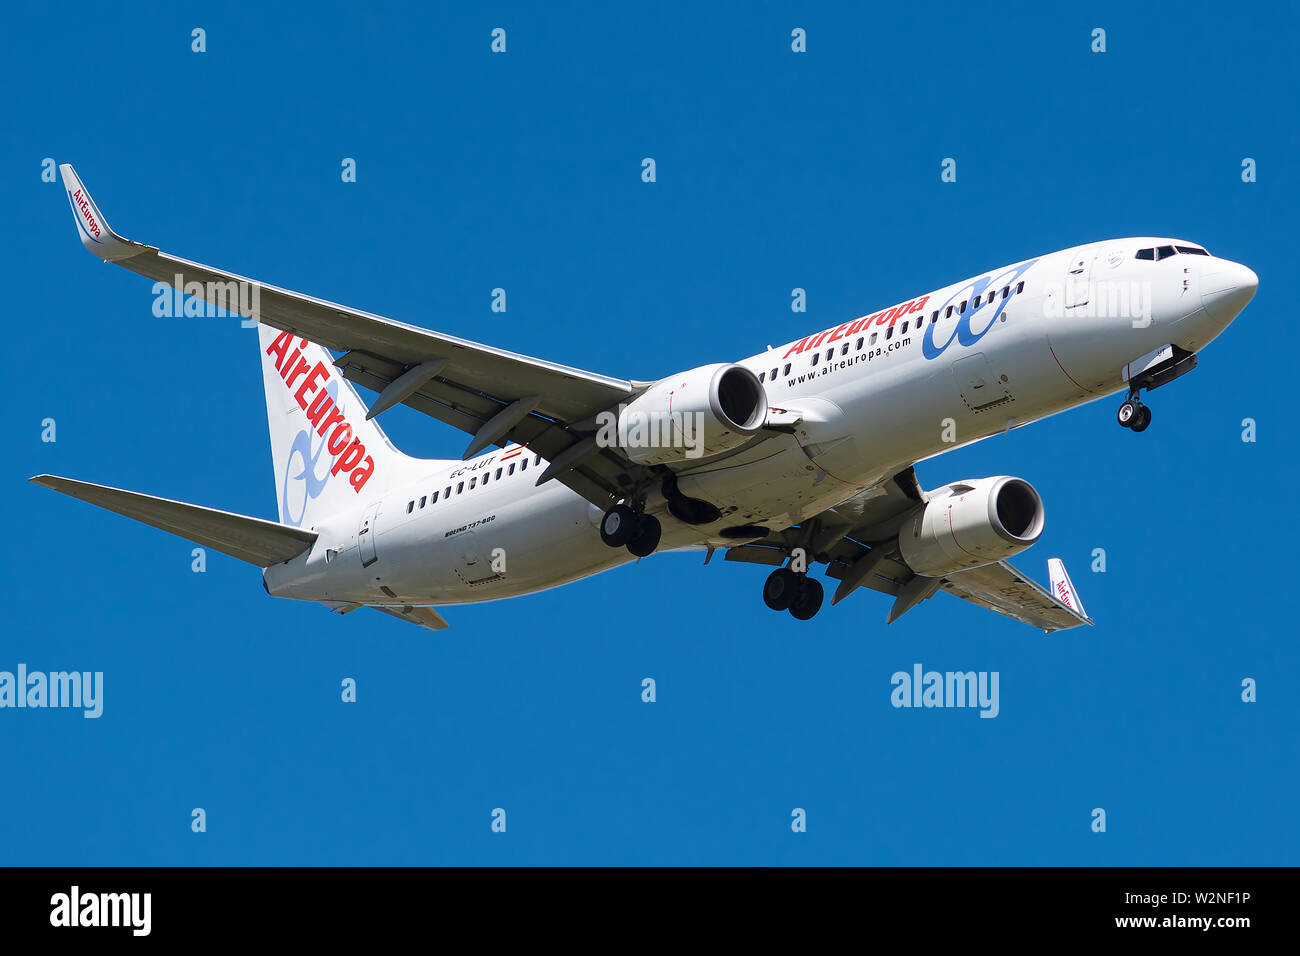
(971, 523)
(705, 411)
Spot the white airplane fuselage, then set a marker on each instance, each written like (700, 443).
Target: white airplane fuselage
(883, 394)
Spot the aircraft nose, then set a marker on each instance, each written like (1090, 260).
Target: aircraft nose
(1226, 287)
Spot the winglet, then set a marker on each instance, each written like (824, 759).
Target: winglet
(1062, 588)
(96, 235)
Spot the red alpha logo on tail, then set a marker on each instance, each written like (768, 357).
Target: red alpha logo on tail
(323, 414)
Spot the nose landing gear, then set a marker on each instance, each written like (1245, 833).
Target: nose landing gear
(784, 590)
(1133, 414)
(1158, 367)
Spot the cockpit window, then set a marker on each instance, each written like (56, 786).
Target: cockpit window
(1164, 252)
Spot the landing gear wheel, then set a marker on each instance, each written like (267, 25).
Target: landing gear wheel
(618, 525)
(780, 589)
(646, 537)
(1143, 419)
(808, 601)
(1129, 412)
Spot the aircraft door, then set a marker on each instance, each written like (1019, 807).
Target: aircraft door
(366, 536)
(1078, 279)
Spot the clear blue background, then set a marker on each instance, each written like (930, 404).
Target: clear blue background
(775, 170)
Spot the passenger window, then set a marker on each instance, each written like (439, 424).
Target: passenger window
(1164, 252)
(434, 499)
(889, 332)
(423, 500)
(472, 482)
(904, 328)
(1006, 291)
(460, 486)
(873, 337)
(816, 356)
(948, 314)
(1146, 254)
(486, 476)
(845, 350)
(537, 459)
(773, 375)
(961, 309)
(934, 316)
(498, 475)
(410, 506)
(787, 368)
(447, 493)
(512, 469)
(523, 465)
(859, 346)
(762, 377)
(976, 303)
(1020, 287)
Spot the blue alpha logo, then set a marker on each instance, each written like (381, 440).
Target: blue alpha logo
(306, 478)
(975, 322)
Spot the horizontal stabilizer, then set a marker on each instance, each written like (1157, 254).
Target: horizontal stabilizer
(254, 540)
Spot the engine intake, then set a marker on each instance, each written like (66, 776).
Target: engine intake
(705, 411)
(969, 524)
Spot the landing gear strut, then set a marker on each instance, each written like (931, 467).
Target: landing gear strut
(639, 532)
(784, 590)
(1133, 414)
(1153, 370)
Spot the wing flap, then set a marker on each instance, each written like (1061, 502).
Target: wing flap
(425, 617)
(255, 540)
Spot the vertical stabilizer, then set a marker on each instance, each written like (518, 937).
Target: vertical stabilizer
(328, 457)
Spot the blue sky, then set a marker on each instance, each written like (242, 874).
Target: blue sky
(522, 171)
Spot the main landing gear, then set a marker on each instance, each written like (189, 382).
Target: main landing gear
(622, 526)
(785, 590)
(1133, 414)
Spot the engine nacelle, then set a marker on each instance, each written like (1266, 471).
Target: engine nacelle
(971, 523)
(705, 411)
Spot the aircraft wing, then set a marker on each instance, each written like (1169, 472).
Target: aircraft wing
(255, 540)
(867, 522)
(493, 394)
(857, 540)
(1001, 588)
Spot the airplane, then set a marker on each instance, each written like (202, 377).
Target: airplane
(783, 459)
